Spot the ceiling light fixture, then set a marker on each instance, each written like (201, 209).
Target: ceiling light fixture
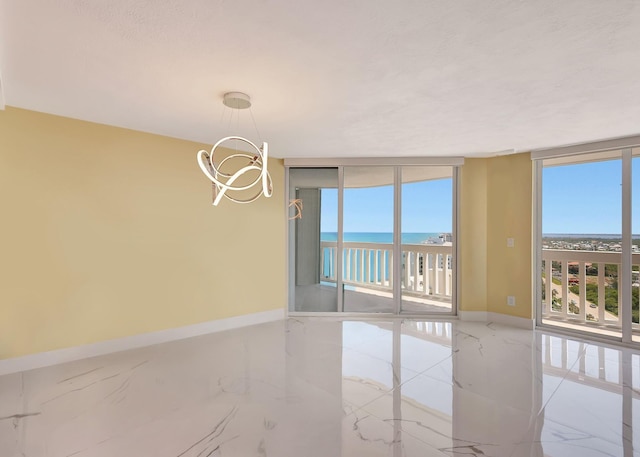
(227, 181)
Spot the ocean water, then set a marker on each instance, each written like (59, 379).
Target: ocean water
(378, 237)
(382, 257)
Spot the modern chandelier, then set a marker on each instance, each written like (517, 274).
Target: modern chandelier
(228, 183)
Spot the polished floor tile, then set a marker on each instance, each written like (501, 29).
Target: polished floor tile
(329, 387)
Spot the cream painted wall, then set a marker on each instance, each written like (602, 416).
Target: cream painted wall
(496, 204)
(108, 232)
(473, 235)
(509, 214)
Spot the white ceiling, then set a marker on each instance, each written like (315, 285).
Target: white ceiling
(339, 79)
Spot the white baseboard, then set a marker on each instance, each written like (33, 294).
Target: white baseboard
(499, 318)
(473, 316)
(45, 359)
(513, 321)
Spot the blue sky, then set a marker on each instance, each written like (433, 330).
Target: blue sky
(587, 198)
(426, 208)
(576, 199)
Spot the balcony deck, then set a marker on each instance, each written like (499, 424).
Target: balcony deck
(322, 298)
(427, 279)
(427, 282)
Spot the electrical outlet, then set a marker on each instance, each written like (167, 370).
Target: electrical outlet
(510, 242)
(511, 300)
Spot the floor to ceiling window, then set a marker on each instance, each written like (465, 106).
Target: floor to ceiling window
(635, 243)
(589, 252)
(367, 251)
(372, 238)
(313, 271)
(427, 240)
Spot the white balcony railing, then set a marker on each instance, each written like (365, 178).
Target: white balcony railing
(573, 307)
(427, 272)
(426, 268)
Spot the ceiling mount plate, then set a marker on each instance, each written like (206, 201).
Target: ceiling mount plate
(237, 100)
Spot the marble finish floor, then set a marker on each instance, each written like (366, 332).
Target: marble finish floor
(322, 387)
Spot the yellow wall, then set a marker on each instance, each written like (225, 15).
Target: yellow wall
(108, 232)
(473, 235)
(496, 204)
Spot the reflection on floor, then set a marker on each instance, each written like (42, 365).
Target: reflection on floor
(323, 387)
(574, 324)
(323, 298)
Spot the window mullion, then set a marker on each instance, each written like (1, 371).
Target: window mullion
(537, 242)
(624, 282)
(397, 241)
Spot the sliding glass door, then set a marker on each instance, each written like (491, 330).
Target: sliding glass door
(635, 244)
(372, 239)
(367, 253)
(581, 242)
(589, 247)
(427, 239)
(313, 228)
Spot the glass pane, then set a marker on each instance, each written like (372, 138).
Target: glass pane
(635, 239)
(427, 240)
(368, 239)
(581, 238)
(313, 219)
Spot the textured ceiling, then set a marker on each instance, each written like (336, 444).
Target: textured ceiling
(339, 79)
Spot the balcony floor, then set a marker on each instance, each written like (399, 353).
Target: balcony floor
(322, 298)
